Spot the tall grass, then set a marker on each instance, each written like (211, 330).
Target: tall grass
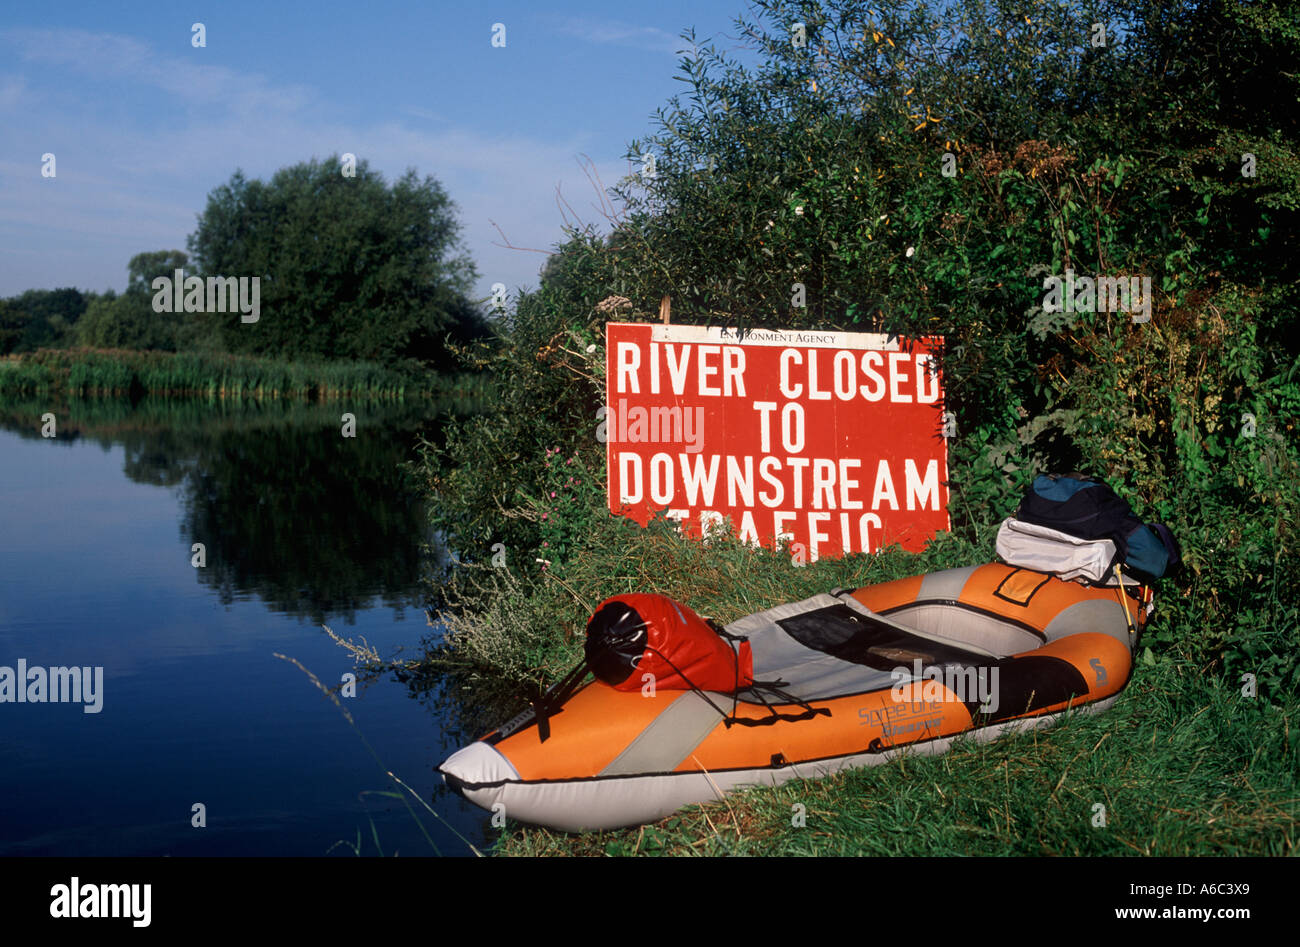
(221, 375)
(1184, 764)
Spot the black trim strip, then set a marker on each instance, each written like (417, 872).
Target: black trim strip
(1009, 576)
(1032, 682)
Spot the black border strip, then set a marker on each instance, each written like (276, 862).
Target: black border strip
(1025, 604)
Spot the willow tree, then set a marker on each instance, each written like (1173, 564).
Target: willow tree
(351, 267)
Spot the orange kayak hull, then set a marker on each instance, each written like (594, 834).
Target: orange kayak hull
(907, 666)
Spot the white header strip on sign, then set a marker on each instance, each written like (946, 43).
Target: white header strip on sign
(789, 339)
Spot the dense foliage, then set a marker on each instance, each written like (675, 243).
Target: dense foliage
(919, 167)
(129, 321)
(41, 318)
(350, 266)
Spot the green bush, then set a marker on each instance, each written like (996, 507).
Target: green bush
(824, 164)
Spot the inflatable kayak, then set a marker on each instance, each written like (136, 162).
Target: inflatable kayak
(843, 679)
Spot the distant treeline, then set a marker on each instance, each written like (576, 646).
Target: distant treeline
(347, 268)
(73, 318)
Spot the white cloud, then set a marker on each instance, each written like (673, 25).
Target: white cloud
(112, 56)
(124, 188)
(12, 89)
(609, 32)
(426, 114)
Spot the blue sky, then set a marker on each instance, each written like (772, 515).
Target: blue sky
(143, 125)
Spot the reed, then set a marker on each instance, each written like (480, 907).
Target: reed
(222, 375)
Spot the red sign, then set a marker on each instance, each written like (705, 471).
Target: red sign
(830, 440)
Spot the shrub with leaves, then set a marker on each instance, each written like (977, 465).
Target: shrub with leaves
(924, 167)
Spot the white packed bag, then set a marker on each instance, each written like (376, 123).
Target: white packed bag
(1030, 546)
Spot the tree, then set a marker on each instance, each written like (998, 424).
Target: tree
(40, 318)
(11, 327)
(145, 267)
(350, 267)
(125, 322)
(823, 159)
(823, 166)
(129, 321)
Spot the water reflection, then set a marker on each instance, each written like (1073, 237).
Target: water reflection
(289, 510)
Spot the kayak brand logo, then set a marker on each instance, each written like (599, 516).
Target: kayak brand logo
(966, 685)
(181, 293)
(77, 900)
(904, 719)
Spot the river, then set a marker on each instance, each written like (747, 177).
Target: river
(204, 742)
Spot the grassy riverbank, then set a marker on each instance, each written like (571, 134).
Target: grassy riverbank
(1184, 764)
(220, 375)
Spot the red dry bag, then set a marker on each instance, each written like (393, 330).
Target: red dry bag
(637, 634)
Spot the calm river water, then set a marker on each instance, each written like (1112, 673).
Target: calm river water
(301, 526)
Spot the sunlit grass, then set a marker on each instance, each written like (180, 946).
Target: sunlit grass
(1183, 765)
